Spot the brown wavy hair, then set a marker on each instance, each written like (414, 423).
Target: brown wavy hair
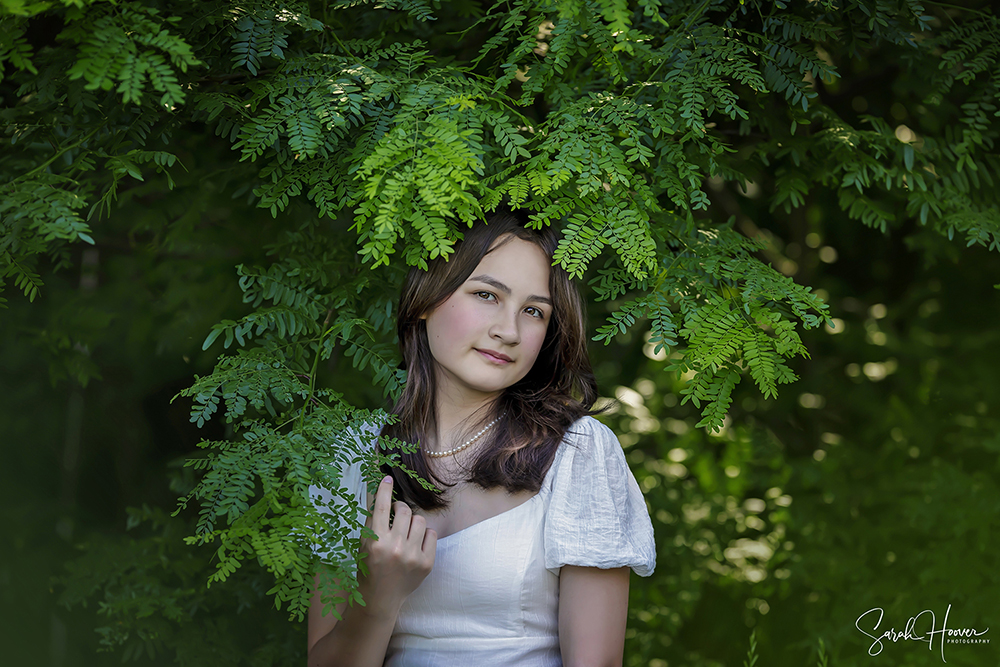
(536, 411)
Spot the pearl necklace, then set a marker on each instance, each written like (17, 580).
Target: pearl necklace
(456, 450)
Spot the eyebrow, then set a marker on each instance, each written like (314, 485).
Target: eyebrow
(493, 282)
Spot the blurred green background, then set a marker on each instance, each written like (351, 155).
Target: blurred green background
(869, 483)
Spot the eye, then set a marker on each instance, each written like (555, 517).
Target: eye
(486, 296)
(535, 312)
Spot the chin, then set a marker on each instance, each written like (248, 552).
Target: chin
(494, 387)
(490, 388)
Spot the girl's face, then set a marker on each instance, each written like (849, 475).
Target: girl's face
(487, 334)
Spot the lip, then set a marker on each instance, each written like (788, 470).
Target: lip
(495, 357)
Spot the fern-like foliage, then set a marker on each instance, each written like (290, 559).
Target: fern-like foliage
(375, 133)
(133, 48)
(15, 51)
(290, 432)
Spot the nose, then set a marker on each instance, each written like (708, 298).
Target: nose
(505, 327)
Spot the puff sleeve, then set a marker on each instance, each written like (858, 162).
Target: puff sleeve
(352, 484)
(596, 516)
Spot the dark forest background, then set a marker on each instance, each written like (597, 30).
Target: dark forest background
(870, 482)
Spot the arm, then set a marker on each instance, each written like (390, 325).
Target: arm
(593, 609)
(398, 561)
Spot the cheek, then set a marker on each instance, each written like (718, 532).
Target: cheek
(534, 339)
(451, 323)
(460, 320)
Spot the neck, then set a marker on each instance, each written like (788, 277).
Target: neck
(453, 413)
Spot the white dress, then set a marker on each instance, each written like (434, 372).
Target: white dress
(492, 598)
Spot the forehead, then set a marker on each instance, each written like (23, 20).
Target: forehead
(519, 264)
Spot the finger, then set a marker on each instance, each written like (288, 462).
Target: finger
(418, 525)
(383, 500)
(401, 518)
(429, 547)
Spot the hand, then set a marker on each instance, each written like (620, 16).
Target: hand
(401, 557)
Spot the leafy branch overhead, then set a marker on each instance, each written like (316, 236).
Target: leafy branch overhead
(375, 133)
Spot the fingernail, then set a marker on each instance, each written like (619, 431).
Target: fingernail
(387, 479)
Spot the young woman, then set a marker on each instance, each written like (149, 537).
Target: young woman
(522, 558)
